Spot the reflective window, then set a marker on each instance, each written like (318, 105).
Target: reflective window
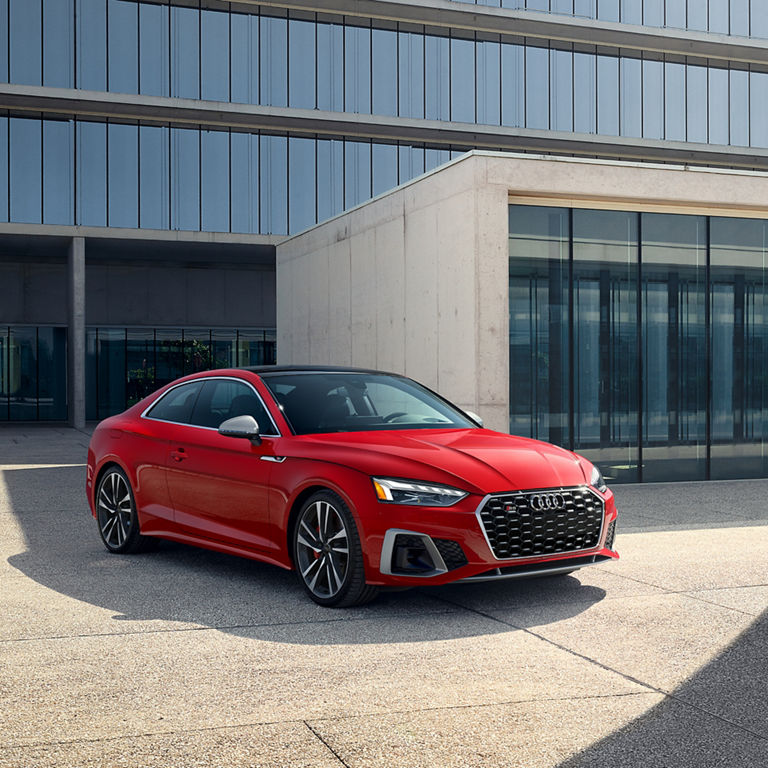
(697, 103)
(561, 90)
(185, 179)
(244, 175)
(25, 169)
(653, 99)
(632, 11)
(123, 46)
(536, 87)
(244, 63)
(123, 182)
(357, 173)
(92, 174)
(434, 158)
(758, 109)
(3, 57)
(718, 102)
(718, 16)
(154, 177)
(608, 10)
(631, 97)
(411, 74)
(384, 167)
(330, 67)
(58, 172)
(92, 44)
(357, 69)
(214, 56)
(273, 61)
(512, 85)
(697, 15)
(463, 80)
(185, 52)
(58, 39)
(214, 181)
(653, 13)
(222, 399)
(584, 93)
(22, 374)
(739, 107)
(273, 175)
(674, 102)
(3, 169)
(301, 64)
(51, 374)
(384, 71)
(301, 184)
(608, 95)
(25, 36)
(153, 54)
(739, 17)
(330, 178)
(410, 163)
(437, 93)
(488, 82)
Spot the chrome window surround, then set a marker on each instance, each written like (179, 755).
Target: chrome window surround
(144, 413)
(528, 493)
(388, 548)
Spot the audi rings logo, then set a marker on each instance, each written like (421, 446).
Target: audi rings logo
(547, 502)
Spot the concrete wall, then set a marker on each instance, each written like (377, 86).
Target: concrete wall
(33, 294)
(416, 281)
(413, 282)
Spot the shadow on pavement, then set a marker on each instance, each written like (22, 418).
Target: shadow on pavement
(178, 583)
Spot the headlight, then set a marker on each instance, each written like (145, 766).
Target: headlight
(413, 492)
(597, 480)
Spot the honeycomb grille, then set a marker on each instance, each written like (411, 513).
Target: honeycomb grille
(451, 552)
(516, 526)
(610, 537)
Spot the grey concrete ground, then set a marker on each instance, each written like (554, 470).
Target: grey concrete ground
(181, 657)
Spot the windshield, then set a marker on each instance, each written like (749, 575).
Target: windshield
(352, 402)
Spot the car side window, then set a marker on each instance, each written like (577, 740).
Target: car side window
(223, 399)
(177, 404)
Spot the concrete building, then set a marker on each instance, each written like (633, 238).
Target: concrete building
(160, 154)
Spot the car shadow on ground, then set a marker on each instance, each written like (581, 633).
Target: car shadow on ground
(176, 583)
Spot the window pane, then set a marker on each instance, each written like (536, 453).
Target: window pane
(631, 97)
(536, 87)
(561, 94)
(718, 16)
(22, 351)
(608, 95)
(274, 195)
(436, 78)
(758, 109)
(330, 178)
(697, 103)
(330, 67)
(357, 173)
(214, 182)
(301, 91)
(674, 347)
(58, 43)
(154, 177)
(653, 13)
(538, 323)
(273, 61)
(244, 30)
(357, 61)
(463, 80)
(608, 10)
(411, 74)
(256, 347)
(92, 174)
(177, 405)
(301, 184)
(584, 93)
(58, 176)
(488, 82)
(632, 11)
(123, 41)
(3, 173)
(197, 351)
(410, 163)
(739, 338)
(153, 58)
(674, 96)
(605, 377)
(52, 373)
(214, 66)
(25, 139)
(739, 22)
(718, 98)
(384, 162)
(123, 185)
(140, 364)
(739, 102)
(758, 19)
(170, 360)
(653, 99)
(384, 75)
(185, 52)
(223, 348)
(512, 85)
(25, 33)
(244, 175)
(3, 79)
(675, 15)
(185, 179)
(92, 44)
(697, 15)
(435, 157)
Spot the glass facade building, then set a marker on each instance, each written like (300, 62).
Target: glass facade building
(181, 140)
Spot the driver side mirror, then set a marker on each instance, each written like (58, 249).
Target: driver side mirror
(472, 415)
(241, 426)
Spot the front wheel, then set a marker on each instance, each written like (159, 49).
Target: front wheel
(328, 555)
(116, 514)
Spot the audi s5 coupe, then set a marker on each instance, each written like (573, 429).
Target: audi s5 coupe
(358, 480)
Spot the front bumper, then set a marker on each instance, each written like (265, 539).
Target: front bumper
(418, 546)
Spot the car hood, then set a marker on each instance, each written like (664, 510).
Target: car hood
(477, 460)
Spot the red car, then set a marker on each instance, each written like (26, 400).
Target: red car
(356, 479)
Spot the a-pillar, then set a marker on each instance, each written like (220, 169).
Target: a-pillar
(76, 332)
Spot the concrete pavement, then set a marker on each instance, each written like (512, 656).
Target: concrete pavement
(181, 657)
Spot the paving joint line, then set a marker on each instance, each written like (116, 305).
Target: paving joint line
(326, 744)
(595, 662)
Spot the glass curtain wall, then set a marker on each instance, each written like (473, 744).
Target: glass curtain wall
(641, 340)
(271, 58)
(33, 373)
(124, 365)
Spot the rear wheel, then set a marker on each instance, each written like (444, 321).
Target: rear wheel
(327, 553)
(116, 514)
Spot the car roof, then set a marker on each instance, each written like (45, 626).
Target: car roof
(266, 370)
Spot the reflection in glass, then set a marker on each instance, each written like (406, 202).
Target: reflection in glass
(244, 175)
(536, 87)
(584, 93)
(561, 89)
(3, 169)
(674, 101)
(357, 173)
(214, 181)
(696, 93)
(653, 99)
(357, 69)
(718, 100)
(25, 169)
(197, 351)
(139, 364)
(244, 64)
(512, 85)
(463, 80)
(301, 184)
(758, 109)
(538, 322)
(330, 67)
(273, 61)
(301, 64)
(185, 179)
(58, 39)
(22, 374)
(185, 52)
(488, 82)
(214, 55)
(154, 177)
(91, 174)
(410, 163)
(739, 104)
(384, 160)
(411, 74)
(3, 74)
(123, 182)
(608, 95)
(273, 197)
(58, 172)
(153, 55)
(384, 71)
(111, 375)
(123, 46)
(25, 41)
(437, 95)
(330, 178)
(51, 374)
(92, 44)
(631, 97)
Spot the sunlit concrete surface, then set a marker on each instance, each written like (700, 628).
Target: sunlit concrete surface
(181, 657)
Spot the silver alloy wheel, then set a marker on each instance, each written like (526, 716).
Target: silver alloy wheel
(115, 510)
(322, 549)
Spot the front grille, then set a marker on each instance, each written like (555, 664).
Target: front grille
(451, 552)
(516, 529)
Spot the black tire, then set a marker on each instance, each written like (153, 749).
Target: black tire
(327, 554)
(116, 514)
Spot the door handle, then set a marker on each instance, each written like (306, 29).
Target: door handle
(179, 454)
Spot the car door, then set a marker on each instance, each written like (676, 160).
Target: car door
(219, 485)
